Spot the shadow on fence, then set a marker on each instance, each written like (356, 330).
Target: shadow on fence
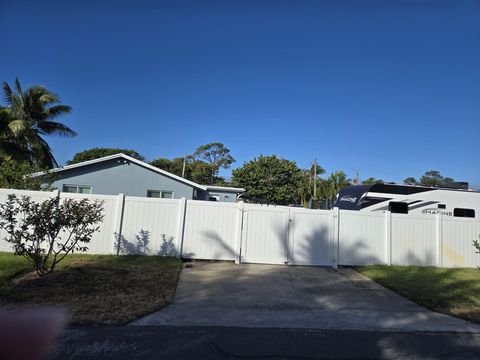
(142, 244)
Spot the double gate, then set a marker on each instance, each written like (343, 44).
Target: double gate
(285, 235)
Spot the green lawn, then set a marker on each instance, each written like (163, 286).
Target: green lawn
(93, 289)
(450, 291)
(9, 266)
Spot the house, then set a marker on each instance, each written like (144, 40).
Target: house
(120, 173)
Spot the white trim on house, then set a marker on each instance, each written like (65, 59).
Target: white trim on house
(225, 188)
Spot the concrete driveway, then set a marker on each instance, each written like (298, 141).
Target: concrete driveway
(224, 294)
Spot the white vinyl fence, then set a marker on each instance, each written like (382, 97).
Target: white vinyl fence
(251, 233)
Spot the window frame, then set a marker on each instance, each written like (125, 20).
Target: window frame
(160, 193)
(77, 188)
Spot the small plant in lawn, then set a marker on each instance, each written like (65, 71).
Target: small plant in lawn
(476, 245)
(46, 232)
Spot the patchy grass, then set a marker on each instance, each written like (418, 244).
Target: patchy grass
(94, 289)
(453, 292)
(10, 266)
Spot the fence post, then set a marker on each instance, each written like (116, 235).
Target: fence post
(56, 193)
(238, 232)
(118, 223)
(388, 237)
(181, 224)
(335, 236)
(439, 240)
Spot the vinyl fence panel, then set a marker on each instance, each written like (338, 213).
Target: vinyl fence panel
(361, 238)
(413, 240)
(456, 242)
(103, 240)
(310, 237)
(210, 230)
(265, 234)
(149, 226)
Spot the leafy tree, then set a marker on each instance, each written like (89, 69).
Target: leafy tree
(331, 186)
(430, 178)
(310, 178)
(434, 178)
(32, 115)
(17, 175)
(99, 152)
(217, 156)
(203, 173)
(44, 233)
(371, 181)
(270, 179)
(174, 166)
(195, 170)
(410, 181)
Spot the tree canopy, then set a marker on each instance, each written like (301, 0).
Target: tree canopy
(217, 156)
(29, 116)
(270, 179)
(430, 178)
(195, 170)
(371, 181)
(99, 152)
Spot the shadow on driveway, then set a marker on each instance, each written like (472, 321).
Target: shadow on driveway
(275, 296)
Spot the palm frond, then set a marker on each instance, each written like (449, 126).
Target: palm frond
(57, 110)
(55, 128)
(18, 87)
(42, 153)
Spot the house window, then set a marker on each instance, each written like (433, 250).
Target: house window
(77, 189)
(459, 212)
(398, 207)
(160, 194)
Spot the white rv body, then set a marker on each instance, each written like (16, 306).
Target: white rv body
(417, 199)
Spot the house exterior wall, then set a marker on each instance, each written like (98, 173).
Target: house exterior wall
(116, 176)
(224, 196)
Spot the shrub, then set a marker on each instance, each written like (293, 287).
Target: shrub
(476, 245)
(46, 232)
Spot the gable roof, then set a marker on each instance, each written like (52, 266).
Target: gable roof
(145, 165)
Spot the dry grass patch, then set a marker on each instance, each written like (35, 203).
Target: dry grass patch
(100, 289)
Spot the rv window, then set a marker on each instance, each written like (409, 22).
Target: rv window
(398, 207)
(442, 206)
(459, 212)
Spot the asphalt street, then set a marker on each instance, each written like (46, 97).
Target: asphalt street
(168, 342)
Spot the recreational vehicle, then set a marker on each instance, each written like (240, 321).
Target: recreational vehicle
(454, 199)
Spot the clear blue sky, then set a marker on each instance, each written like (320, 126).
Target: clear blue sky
(391, 88)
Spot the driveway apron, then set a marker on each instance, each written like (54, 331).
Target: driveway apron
(276, 296)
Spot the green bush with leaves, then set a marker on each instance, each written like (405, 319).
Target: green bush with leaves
(476, 245)
(17, 175)
(44, 233)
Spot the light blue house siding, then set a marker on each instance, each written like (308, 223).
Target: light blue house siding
(223, 196)
(115, 176)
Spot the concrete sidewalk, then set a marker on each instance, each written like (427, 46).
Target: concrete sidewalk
(271, 296)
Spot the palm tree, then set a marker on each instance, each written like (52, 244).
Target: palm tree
(10, 148)
(32, 113)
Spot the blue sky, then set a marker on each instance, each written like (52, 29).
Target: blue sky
(390, 88)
